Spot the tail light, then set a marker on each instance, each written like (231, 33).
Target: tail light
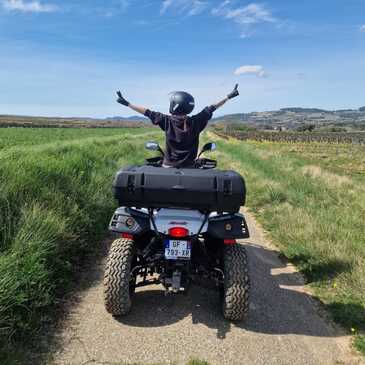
(127, 236)
(178, 232)
(230, 242)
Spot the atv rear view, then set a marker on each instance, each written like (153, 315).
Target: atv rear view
(177, 226)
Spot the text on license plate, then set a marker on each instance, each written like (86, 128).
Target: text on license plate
(175, 249)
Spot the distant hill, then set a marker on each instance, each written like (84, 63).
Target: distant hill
(294, 118)
(304, 110)
(132, 118)
(233, 117)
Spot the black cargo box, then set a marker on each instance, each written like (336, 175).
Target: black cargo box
(157, 187)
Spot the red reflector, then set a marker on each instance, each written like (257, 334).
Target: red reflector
(127, 235)
(230, 242)
(178, 232)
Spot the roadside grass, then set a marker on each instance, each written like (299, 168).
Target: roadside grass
(55, 203)
(316, 223)
(197, 362)
(359, 343)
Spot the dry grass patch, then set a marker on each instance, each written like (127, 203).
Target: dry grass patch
(329, 178)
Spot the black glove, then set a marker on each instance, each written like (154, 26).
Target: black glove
(121, 100)
(234, 93)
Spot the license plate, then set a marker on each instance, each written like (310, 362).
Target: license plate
(175, 250)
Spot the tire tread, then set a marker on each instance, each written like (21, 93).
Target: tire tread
(117, 298)
(236, 283)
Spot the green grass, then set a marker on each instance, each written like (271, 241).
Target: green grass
(197, 362)
(16, 137)
(359, 343)
(55, 203)
(313, 209)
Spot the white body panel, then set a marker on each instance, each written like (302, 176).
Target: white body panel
(189, 219)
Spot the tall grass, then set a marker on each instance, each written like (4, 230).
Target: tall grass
(316, 219)
(55, 202)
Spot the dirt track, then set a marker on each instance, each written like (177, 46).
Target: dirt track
(283, 326)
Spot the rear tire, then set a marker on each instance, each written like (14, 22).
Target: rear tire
(118, 283)
(236, 283)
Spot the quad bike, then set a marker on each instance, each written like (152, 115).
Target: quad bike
(177, 238)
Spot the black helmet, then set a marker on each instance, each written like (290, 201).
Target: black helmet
(181, 103)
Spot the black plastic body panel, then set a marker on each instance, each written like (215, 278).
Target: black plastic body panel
(118, 221)
(228, 226)
(157, 187)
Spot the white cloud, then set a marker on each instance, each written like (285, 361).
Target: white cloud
(362, 28)
(250, 14)
(220, 8)
(165, 5)
(246, 17)
(251, 70)
(29, 6)
(190, 7)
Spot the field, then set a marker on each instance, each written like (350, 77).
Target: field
(55, 202)
(293, 137)
(311, 200)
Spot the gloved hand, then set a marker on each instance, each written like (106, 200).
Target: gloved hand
(121, 100)
(234, 93)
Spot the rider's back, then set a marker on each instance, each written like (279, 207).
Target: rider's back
(182, 135)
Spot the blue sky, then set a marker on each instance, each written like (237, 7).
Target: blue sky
(68, 58)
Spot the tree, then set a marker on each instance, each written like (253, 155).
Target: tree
(306, 128)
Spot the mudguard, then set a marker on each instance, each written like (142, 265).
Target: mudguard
(127, 220)
(228, 226)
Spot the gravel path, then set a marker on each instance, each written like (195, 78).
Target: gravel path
(283, 326)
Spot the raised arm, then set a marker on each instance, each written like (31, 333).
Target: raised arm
(138, 109)
(231, 95)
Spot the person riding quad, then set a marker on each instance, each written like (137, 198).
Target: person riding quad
(182, 132)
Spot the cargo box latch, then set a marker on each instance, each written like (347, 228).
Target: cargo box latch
(131, 183)
(227, 187)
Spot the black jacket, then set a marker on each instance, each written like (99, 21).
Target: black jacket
(182, 135)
